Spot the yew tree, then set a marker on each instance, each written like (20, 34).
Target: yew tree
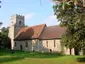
(71, 15)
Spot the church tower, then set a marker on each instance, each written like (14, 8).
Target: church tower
(17, 22)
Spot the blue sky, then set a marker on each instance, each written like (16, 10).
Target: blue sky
(34, 12)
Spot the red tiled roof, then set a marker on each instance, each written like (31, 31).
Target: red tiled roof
(30, 32)
(52, 32)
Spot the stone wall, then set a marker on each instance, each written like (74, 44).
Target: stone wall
(42, 46)
(26, 45)
(50, 46)
(69, 51)
(39, 45)
(17, 22)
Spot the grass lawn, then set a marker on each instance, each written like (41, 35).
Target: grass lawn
(20, 57)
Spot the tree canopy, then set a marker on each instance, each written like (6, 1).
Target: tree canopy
(71, 14)
(5, 41)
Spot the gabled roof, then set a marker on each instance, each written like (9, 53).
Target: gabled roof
(30, 32)
(52, 32)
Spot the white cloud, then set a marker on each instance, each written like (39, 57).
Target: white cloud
(51, 20)
(28, 16)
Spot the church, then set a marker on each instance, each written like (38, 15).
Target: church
(40, 38)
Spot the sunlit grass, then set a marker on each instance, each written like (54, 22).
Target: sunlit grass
(20, 57)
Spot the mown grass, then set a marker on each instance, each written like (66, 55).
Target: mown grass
(21, 57)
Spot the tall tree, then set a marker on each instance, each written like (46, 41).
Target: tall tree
(71, 14)
(5, 41)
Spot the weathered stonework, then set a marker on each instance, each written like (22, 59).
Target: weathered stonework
(49, 45)
(17, 22)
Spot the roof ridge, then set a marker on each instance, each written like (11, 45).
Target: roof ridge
(34, 32)
(37, 25)
(53, 25)
(42, 31)
(32, 26)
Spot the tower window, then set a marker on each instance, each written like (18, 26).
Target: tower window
(19, 22)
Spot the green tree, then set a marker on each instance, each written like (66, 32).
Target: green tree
(5, 30)
(71, 14)
(5, 41)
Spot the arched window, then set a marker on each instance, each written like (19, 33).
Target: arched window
(19, 22)
(54, 44)
(46, 43)
(26, 44)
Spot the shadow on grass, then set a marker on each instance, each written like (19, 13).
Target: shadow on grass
(8, 59)
(36, 54)
(8, 56)
(29, 54)
(81, 59)
(4, 52)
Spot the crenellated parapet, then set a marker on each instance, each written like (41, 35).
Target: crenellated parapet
(17, 16)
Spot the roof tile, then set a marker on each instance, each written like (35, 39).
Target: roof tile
(52, 32)
(30, 32)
